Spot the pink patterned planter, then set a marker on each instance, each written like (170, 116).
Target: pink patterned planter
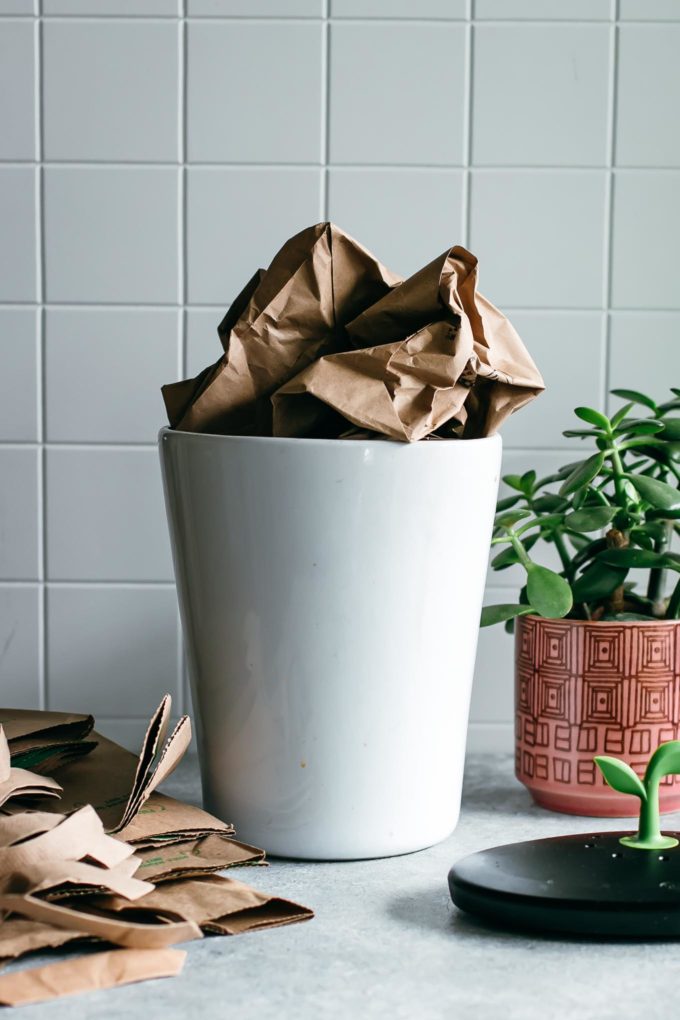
(583, 689)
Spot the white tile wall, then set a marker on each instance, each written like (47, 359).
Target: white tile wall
(154, 152)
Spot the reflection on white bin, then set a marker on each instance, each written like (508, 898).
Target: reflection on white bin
(330, 593)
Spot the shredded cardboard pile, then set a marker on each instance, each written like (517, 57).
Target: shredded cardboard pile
(93, 852)
(328, 343)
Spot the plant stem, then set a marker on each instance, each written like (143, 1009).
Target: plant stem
(673, 611)
(563, 553)
(617, 466)
(657, 575)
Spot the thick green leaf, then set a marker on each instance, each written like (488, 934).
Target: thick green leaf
(597, 582)
(621, 414)
(590, 519)
(580, 433)
(636, 397)
(501, 613)
(656, 492)
(640, 427)
(510, 518)
(505, 504)
(528, 480)
(548, 593)
(641, 558)
(620, 776)
(549, 503)
(671, 429)
(665, 761)
(514, 481)
(593, 417)
(507, 558)
(582, 474)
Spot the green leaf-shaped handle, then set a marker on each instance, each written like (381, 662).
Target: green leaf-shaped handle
(665, 761)
(620, 776)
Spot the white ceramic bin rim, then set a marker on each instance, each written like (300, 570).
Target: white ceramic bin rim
(330, 593)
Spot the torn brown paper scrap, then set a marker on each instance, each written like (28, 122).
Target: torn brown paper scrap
(42, 741)
(18, 783)
(194, 857)
(164, 928)
(164, 820)
(75, 851)
(282, 321)
(118, 784)
(19, 936)
(219, 905)
(89, 973)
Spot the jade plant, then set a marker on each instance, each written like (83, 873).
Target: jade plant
(620, 776)
(615, 511)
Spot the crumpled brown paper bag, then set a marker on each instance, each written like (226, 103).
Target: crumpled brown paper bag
(330, 341)
(282, 320)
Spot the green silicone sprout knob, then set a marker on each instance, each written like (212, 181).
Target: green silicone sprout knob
(620, 776)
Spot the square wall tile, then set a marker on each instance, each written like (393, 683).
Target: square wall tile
(18, 6)
(545, 10)
(111, 234)
(539, 236)
(19, 515)
(241, 117)
(648, 95)
(568, 348)
(105, 368)
(493, 690)
(203, 344)
(18, 374)
(644, 352)
(255, 8)
(452, 9)
(105, 516)
(397, 93)
(664, 10)
(18, 240)
(540, 94)
(20, 643)
(406, 217)
(645, 242)
(111, 90)
(128, 8)
(17, 90)
(111, 651)
(238, 219)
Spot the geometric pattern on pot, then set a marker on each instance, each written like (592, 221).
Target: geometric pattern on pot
(585, 689)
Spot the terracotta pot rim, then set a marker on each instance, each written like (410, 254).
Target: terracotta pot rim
(600, 623)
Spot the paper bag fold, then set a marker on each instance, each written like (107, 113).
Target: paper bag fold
(283, 320)
(433, 352)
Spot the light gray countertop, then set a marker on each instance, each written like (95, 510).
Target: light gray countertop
(387, 942)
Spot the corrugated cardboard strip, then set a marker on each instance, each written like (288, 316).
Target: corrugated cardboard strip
(327, 338)
(104, 856)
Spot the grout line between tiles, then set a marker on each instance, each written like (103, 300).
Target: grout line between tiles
(41, 368)
(325, 113)
(609, 208)
(467, 135)
(272, 165)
